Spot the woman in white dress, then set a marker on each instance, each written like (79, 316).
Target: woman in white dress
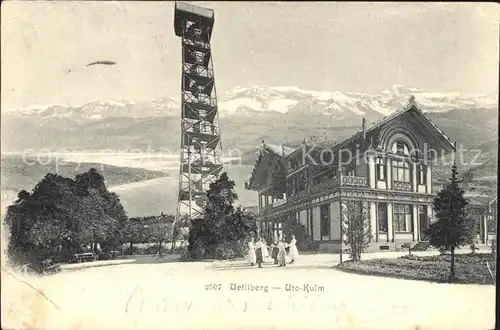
(265, 251)
(293, 253)
(281, 253)
(251, 252)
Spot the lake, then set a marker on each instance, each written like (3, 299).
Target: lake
(148, 197)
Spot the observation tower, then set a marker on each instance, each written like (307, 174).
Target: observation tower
(201, 148)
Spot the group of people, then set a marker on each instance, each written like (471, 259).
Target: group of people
(258, 251)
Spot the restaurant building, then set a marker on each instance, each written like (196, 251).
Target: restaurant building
(387, 167)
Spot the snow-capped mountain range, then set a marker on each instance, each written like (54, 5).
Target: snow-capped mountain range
(247, 101)
(247, 115)
(286, 99)
(102, 109)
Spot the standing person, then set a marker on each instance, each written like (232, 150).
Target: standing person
(275, 250)
(258, 252)
(251, 252)
(293, 253)
(281, 253)
(265, 251)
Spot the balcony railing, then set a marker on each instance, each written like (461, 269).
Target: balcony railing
(299, 195)
(200, 99)
(348, 181)
(355, 181)
(325, 185)
(198, 70)
(401, 186)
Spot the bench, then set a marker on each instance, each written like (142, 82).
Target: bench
(82, 257)
(114, 254)
(49, 266)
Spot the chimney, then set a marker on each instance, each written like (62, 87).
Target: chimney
(411, 101)
(263, 145)
(364, 128)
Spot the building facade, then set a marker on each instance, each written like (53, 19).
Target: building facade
(387, 167)
(483, 210)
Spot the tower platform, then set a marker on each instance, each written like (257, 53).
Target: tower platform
(201, 17)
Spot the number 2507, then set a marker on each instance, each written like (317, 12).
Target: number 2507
(212, 286)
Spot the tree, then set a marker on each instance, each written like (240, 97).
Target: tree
(62, 212)
(356, 227)
(451, 229)
(151, 229)
(160, 231)
(40, 220)
(221, 230)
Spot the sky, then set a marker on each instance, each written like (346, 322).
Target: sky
(347, 47)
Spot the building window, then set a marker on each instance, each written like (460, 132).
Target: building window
(277, 230)
(478, 219)
(400, 148)
(380, 166)
(302, 181)
(490, 222)
(351, 168)
(400, 171)
(402, 217)
(382, 217)
(325, 220)
(422, 174)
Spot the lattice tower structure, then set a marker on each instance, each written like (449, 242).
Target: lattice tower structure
(201, 147)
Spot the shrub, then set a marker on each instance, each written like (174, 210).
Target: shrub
(230, 250)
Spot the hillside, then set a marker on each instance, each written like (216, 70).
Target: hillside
(18, 174)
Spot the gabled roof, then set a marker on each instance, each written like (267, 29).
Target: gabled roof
(411, 106)
(381, 122)
(279, 151)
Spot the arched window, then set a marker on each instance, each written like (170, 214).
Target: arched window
(400, 148)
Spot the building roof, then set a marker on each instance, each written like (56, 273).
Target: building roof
(411, 106)
(278, 149)
(478, 200)
(196, 10)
